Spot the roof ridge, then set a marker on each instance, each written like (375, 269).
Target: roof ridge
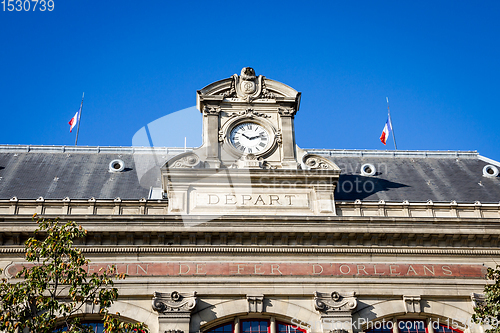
(177, 150)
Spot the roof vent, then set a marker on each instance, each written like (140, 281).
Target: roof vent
(490, 171)
(116, 166)
(368, 169)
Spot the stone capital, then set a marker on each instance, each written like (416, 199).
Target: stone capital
(335, 302)
(174, 304)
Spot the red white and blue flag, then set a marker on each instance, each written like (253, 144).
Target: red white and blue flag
(387, 131)
(75, 119)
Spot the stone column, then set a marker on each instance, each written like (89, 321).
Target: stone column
(335, 310)
(237, 328)
(174, 311)
(273, 325)
(211, 134)
(287, 132)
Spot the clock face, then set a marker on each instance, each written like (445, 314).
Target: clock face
(250, 138)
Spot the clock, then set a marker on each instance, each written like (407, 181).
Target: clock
(250, 138)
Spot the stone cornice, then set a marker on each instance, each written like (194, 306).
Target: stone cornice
(473, 252)
(112, 207)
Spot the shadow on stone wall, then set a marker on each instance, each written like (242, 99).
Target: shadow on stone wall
(352, 187)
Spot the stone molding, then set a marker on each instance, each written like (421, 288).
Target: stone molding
(277, 249)
(174, 304)
(255, 303)
(106, 207)
(412, 304)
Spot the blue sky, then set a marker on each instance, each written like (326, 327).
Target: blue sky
(437, 61)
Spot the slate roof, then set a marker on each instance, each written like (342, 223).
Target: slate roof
(28, 172)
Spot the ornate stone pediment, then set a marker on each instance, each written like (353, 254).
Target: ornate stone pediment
(334, 302)
(174, 303)
(248, 87)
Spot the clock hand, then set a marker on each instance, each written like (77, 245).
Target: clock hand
(246, 136)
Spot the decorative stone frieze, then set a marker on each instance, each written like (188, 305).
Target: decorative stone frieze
(250, 113)
(255, 303)
(412, 304)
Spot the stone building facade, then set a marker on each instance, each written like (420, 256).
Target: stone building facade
(251, 234)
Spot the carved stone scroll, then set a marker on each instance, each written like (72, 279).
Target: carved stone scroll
(186, 161)
(335, 310)
(174, 310)
(174, 304)
(316, 162)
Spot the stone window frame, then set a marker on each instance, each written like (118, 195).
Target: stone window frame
(273, 325)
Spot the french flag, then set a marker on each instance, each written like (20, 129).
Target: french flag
(386, 132)
(74, 120)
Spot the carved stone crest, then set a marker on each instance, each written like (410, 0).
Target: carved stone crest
(334, 302)
(247, 86)
(174, 303)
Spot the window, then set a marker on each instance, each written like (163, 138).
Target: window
(287, 328)
(226, 328)
(446, 329)
(255, 326)
(97, 326)
(410, 326)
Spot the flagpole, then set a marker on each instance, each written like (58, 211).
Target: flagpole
(390, 120)
(79, 117)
